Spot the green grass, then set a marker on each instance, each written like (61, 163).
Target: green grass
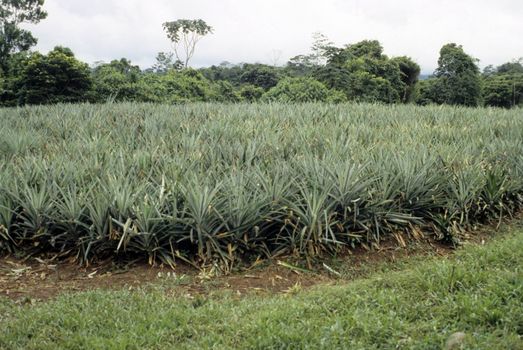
(478, 291)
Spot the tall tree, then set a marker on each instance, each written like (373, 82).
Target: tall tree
(185, 34)
(306, 65)
(458, 78)
(14, 13)
(320, 46)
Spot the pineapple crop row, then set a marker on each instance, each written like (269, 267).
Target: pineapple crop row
(228, 183)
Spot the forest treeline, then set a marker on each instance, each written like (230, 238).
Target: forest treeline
(358, 72)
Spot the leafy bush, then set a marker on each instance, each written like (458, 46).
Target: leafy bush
(260, 75)
(503, 90)
(52, 78)
(251, 93)
(336, 96)
(225, 92)
(184, 86)
(298, 90)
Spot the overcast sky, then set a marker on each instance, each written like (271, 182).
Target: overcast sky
(272, 31)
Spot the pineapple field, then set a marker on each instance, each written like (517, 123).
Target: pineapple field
(226, 183)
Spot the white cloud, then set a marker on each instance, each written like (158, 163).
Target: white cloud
(263, 30)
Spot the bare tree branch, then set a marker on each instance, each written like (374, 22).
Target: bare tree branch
(187, 34)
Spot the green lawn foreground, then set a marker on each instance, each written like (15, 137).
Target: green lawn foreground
(478, 291)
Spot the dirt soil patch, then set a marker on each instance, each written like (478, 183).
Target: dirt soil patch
(36, 279)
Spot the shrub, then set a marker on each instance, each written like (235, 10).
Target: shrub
(298, 90)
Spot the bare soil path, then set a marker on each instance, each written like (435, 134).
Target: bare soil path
(41, 280)
(36, 279)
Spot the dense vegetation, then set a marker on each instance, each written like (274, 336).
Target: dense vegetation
(478, 292)
(211, 182)
(358, 72)
(372, 77)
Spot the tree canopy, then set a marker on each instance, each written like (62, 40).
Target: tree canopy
(260, 75)
(503, 85)
(55, 77)
(13, 38)
(364, 73)
(185, 34)
(457, 79)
